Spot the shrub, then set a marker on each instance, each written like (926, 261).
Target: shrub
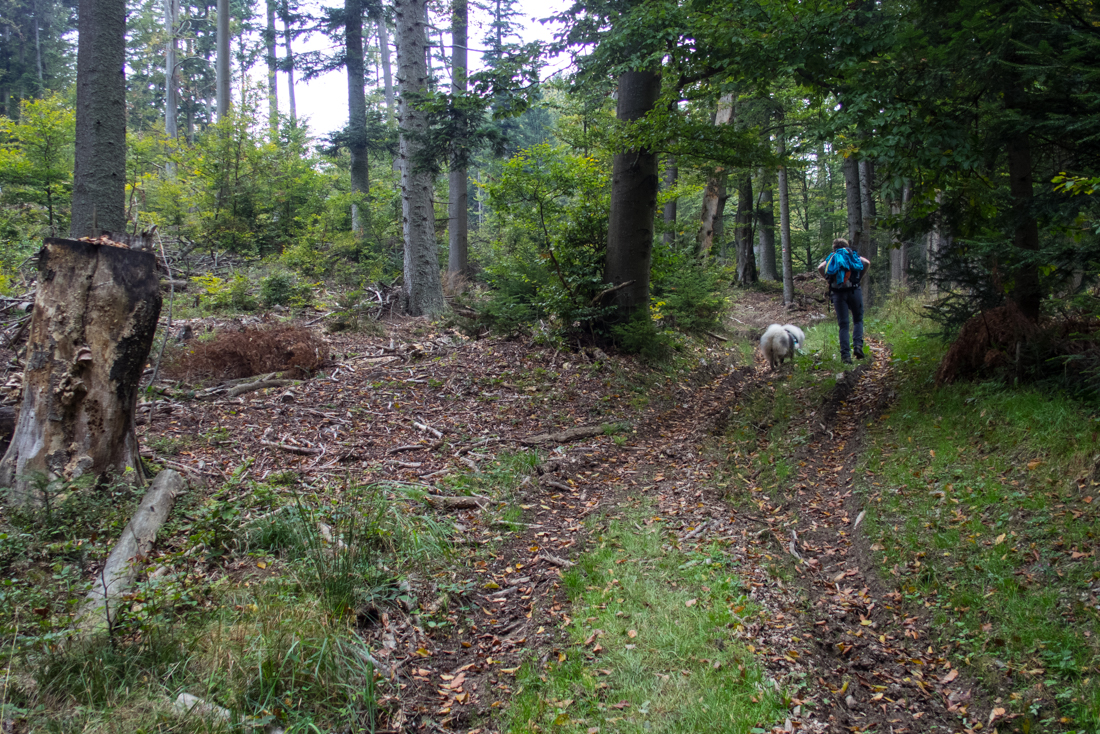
(284, 289)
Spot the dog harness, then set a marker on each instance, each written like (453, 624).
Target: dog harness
(792, 337)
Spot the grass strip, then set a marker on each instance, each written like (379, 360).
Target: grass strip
(654, 646)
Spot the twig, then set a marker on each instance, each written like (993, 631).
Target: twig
(555, 561)
(253, 386)
(18, 333)
(303, 450)
(719, 337)
(414, 447)
(425, 427)
(458, 503)
(558, 485)
(599, 296)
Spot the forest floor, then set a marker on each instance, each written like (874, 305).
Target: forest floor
(479, 640)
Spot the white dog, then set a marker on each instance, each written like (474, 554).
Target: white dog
(779, 343)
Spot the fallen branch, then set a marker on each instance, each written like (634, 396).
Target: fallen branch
(555, 561)
(137, 539)
(414, 447)
(606, 291)
(571, 434)
(253, 386)
(719, 337)
(558, 485)
(457, 503)
(424, 427)
(302, 450)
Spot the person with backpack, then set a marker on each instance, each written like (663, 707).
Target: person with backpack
(844, 269)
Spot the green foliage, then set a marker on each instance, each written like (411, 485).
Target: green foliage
(686, 294)
(222, 295)
(642, 337)
(284, 289)
(36, 162)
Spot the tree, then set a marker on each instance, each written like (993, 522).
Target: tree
(423, 294)
(785, 216)
(357, 107)
(99, 178)
(272, 58)
(37, 154)
(766, 218)
(634, 185)
(458, 225)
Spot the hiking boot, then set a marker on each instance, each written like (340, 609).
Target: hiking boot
(847, 360)
(859, 352)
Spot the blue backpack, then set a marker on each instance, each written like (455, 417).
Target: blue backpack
(843, 269)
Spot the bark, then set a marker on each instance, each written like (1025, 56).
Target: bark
(714, 195)
(272, 66)
(458, 220)
(423, 292)
(899, 253)
(869, 245)
(99, 178)
(766, 217)
(38, 45)
(634, 185)
(935, 245)
(746, 260)
(785, 222)
(672, 173)
(855, 206)
(95, 315)
(357, 107)
(171, 79)
(1028, 293)
(135, 543)
(387, 74)
(222, 60)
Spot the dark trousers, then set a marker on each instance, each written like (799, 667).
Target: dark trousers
(845, 300)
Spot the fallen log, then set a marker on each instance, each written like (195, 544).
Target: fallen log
(457, 503)
(571, 434)
(118, 574)
(303, 450)
(253, 386)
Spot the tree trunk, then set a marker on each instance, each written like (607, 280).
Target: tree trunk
(38, 48)
(714, 208)
(766, 217)
(99, 178)
(746, 261)
(423, 294)
(634, 184)
(95, 315)
(869, 248)
(272, 67)
(785, 221)
(357, 107)
(672, 173)
(288, 38)
(387, 74)
(714, 195)
(1027, 293)
(222, 60)
(171, 77)
(458, 227)
(899, 253)
(855, 206)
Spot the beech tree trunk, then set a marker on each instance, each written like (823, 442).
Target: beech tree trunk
(272, 66)
(95, 314)
(714, 195)
(221, 82)
(899, 254)
(357, 107)
(99, 178)
(746, 258)
(458, 199)
(634, 185)
(766, 217)
(785, 221)
(423, 294)
(672, 173)
(855, 205)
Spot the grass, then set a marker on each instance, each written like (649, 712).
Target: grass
(983, 509)
(654, 646)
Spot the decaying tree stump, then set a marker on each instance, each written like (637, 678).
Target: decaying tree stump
(95, 315)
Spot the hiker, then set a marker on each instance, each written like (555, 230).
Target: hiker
(843, 269)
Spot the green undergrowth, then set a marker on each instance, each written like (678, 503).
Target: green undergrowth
(984, 507)
(654, 645)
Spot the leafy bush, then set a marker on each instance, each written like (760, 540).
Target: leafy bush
(687, 294)
(284, 289)
(641, 336)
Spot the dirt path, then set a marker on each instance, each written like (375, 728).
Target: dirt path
(835, 633)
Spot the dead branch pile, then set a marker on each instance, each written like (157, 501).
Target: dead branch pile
(1004, 339)
(234, 354)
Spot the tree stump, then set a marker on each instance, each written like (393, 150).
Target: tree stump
(95, 316)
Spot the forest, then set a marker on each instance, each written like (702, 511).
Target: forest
(457, 417)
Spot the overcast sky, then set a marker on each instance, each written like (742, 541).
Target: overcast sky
(323, 102)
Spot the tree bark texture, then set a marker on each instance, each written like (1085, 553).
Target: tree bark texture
(99, 178)
(634, 185)
(95, 315)
(855, 206)
(288, 40)
(785, 221)
(123, 564)
(222, 60)
(672, 173)
(423, 294)
(746, 258)
(171, 77)
(899, 253)
(458, 200)
(714, 195)
(387, 74)
(357, 107)
(270, 33)
(869, 245)
(766, 217)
